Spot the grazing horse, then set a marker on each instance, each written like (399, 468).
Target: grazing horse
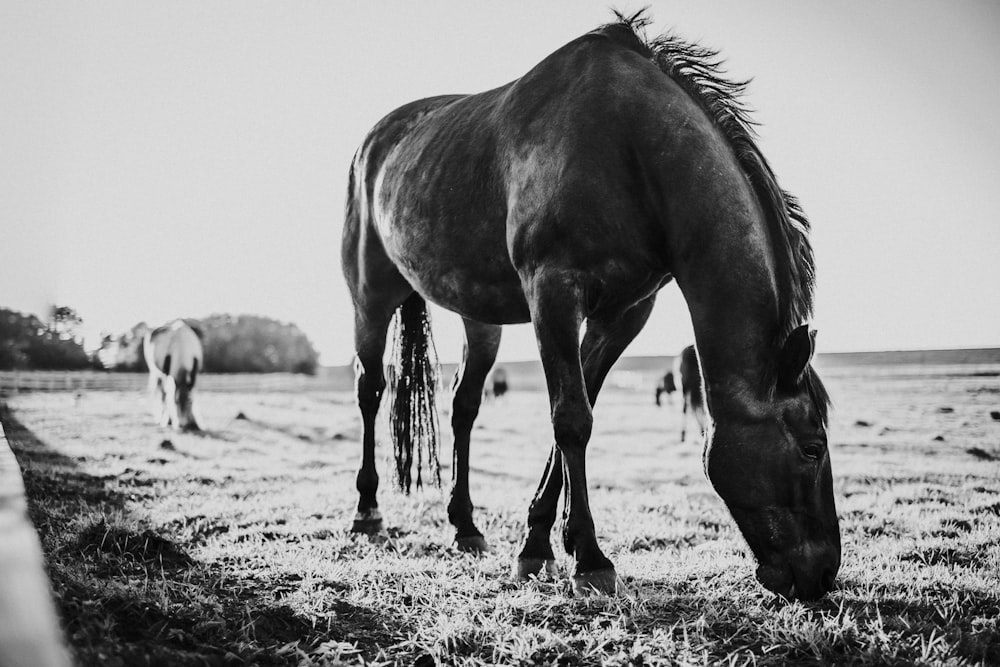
(570, 196)
(687, 369)
(667, 386)
(174, 355)
(496, 384)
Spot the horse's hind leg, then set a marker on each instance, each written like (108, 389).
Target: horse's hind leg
(684, 416)
(481, 344)
(369, 339)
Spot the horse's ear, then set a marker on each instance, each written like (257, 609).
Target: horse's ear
(193, 375)
(166, 365)
(795, 356)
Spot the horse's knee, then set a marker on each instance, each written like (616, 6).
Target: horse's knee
(572, 428)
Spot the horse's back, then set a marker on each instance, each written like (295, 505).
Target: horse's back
(176, 340)
(463, 197)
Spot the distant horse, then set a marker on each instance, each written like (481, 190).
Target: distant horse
(174, 355)
(687, 369)
(496, 384)
(572, 195)
(667, 386)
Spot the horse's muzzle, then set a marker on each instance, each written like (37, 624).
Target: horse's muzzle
(805, 580)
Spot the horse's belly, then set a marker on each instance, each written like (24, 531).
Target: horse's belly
(464, 276)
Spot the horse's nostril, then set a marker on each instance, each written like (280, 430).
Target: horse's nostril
(828, 579)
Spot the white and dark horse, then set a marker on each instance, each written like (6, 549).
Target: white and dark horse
(687, 370)
(174, 355)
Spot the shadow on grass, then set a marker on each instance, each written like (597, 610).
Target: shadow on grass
(130, 596)
(214, 434)
(285, 430)
(817, 632)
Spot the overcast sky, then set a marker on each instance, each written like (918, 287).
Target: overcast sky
(183, 158)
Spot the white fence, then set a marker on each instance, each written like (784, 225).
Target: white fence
(15, 381)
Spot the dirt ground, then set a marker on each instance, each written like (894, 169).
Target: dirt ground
(231, 546)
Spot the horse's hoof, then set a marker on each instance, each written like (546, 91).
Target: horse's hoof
(598, 582)
(473, 544)
(369, 523)
(525, 568)
(368, 526)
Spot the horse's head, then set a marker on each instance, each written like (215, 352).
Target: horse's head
(769, 462)
(177, 393)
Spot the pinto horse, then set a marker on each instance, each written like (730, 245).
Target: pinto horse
(569, 197)
(174, 355)
(687, 369)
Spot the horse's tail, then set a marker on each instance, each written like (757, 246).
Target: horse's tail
(413, 418)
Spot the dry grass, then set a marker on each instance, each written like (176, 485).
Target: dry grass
(231, 548)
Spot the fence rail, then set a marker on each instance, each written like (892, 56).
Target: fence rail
(16, 381)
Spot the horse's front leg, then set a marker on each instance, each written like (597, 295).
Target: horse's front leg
(481, 344)
(536, 554)
(557, 311)
(602, 345)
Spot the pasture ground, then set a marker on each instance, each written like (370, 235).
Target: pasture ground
(231, 547)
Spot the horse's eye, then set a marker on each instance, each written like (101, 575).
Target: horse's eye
(813, 449)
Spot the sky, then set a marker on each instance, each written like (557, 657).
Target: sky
(178, 159)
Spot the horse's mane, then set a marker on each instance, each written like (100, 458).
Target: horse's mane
(699, 71)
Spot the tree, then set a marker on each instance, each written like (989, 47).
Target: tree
(123, 352)
(255, 344)
(65, 322)
(232, 344)
(27, 343)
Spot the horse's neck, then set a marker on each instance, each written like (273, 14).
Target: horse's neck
(734, 305)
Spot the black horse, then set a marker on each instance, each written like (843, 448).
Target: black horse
(666, 386)
(569, 197)
(496, 384)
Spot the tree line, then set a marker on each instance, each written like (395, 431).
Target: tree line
(28, 343)
(232, 344)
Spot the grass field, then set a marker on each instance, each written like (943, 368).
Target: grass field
(232, 547)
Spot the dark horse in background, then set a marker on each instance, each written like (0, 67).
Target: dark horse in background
(496, 384)
(568, 198)
(667, 386)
